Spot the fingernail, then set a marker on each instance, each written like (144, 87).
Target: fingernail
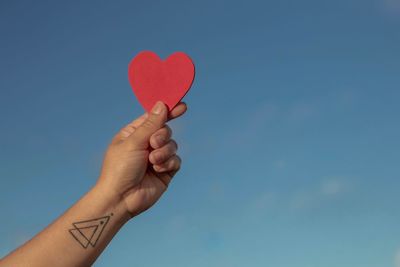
(157, 108)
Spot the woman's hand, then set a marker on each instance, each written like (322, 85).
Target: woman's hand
(141, 160)
(138, 166)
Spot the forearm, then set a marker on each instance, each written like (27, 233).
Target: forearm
(138, 166)
(77, 237)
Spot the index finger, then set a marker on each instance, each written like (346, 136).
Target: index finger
(177, 111)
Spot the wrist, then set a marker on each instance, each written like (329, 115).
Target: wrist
(113, 202)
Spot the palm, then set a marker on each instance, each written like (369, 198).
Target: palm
(137, 175)
(146, 190)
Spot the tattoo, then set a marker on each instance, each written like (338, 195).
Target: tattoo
(88, 232)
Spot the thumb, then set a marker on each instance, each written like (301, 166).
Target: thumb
(154, 121)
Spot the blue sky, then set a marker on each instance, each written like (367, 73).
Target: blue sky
(290, 146)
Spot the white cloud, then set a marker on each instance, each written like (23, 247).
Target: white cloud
(392, 6)
(332, 187)
(397, 258)
(302, 111)
(328, 189)
(280, 164)
(392, 3)
(303, 200)
(265, 201)
(177, 222)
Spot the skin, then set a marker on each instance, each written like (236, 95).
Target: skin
(137, 169)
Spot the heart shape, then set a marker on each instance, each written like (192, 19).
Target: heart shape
(153, 79)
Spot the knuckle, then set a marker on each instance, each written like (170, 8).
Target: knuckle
(156, 140)
(153, 142)
(157, 157)
(149, 123)
(165, 132)
(168, 130)
(173, 145)
(178, 162)
(126, 131)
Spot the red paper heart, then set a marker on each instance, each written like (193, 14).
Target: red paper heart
(153, 79)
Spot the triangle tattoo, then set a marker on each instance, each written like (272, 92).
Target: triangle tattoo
(88, 232)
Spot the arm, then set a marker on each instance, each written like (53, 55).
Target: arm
(138, 166)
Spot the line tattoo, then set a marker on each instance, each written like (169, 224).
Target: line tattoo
(88, 232)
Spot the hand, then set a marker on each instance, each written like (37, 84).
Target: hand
(141, 159)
